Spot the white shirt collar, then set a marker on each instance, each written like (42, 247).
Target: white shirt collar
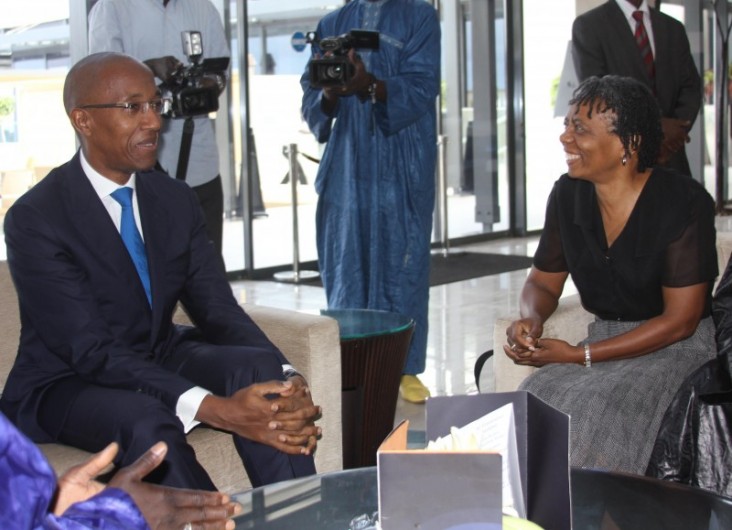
(101, 184)
(628, 10)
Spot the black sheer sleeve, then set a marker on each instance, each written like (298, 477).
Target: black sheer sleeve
(549, 256)
(692, 258)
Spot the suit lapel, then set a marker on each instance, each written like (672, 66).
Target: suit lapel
(154, 227)
(661, 47)
(92, 222)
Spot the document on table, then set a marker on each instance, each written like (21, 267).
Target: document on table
(496, 431)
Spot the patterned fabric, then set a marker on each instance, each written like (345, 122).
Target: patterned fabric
(644, 45)
(616, 407)
(27, 485)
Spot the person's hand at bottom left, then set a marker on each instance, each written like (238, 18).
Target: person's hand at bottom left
(163, 507)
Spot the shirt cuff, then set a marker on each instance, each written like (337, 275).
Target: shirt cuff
(289, 371)
(187, 406)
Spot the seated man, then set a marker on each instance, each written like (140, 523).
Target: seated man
(99, 276)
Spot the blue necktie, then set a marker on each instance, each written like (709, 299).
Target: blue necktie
(132, 238)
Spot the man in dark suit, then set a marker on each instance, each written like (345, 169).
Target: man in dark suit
(99, 358)
(604, 42)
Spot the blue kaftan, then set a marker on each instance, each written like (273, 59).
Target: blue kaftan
(27, 485)
(376, 180)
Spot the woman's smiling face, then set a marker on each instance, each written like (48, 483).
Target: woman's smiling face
(590, 145)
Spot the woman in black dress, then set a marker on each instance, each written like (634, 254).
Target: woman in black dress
(639, 244)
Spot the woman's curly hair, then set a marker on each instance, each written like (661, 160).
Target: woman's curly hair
(637, 117)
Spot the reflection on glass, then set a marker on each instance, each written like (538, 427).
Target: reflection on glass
(547, 34)
(35, 134)
(277, 59)
(474, 118)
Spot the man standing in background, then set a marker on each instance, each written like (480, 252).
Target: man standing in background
(150, 30)
(628, 38)
(376, 180)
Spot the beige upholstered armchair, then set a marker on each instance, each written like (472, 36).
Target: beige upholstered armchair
(310, 342)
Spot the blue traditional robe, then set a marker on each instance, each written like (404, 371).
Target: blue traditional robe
(27, 485)
(376, 180)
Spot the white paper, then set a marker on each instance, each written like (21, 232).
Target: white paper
(496, 431)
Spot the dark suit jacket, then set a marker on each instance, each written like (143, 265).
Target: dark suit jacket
(603, 44)
(83, 309)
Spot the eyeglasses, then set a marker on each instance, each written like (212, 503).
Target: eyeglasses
(132, 108)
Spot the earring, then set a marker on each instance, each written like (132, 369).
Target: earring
(625, 160)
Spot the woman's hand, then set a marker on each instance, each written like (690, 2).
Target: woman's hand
(546, 351)
(523, 334)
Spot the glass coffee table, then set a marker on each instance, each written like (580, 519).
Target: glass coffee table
(374, 346)
(347, 500)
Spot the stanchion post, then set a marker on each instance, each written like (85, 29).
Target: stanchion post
(295, 275)
(443, 191)
(292, 157)
(442, 195)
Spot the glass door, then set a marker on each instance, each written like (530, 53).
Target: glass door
(268, 104)
(473, 120)
(550, 79)
(35, 134)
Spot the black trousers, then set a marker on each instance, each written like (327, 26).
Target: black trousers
(90, 417)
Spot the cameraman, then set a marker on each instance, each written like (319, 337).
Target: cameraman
(376, 179)
(150, 30)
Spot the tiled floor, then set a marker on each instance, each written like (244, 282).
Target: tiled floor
(461, 320)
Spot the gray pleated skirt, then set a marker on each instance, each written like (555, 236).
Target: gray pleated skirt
(616, 407)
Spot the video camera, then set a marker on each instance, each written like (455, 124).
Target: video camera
(184, 92)
(337, 69)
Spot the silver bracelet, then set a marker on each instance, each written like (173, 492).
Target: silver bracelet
(588, 356)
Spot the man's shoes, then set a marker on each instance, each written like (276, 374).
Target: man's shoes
(411, 389)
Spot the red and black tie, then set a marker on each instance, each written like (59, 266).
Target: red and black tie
(644, 45)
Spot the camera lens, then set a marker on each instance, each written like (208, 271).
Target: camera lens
(334, 72)
(192, 101)
(331, 71)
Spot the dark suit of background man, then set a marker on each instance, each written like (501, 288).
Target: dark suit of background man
(603, 43)
(97, 361)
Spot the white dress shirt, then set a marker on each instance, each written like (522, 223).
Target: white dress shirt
(628, 10)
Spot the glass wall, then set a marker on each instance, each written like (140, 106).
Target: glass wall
(547, 67)
(550, 79)
(473, 120)
(716, 125)
(506, 79)
(34, 132)
(276, 58)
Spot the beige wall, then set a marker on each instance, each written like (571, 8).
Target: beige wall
(586, 5)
